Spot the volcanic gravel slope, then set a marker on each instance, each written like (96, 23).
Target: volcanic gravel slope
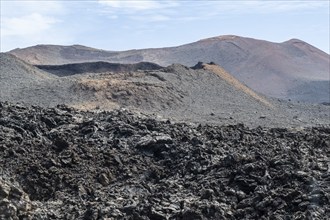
(59, 163)
(285, 70)
(17, 77)
(22, 82)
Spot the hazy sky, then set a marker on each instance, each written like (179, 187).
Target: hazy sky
(124, 24)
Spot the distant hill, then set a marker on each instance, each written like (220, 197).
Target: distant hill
(275, 69)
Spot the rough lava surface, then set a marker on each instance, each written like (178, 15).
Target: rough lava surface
(59, 163)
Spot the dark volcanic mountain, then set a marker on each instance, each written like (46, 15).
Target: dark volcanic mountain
(290, 70)
(96, 67)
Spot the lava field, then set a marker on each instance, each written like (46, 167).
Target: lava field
(61, 163)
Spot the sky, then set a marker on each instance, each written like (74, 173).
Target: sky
(124, 24)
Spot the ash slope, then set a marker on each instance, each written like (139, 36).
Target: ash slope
(200, 95)
(22, 82)
(278, 70)
(60, 163)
